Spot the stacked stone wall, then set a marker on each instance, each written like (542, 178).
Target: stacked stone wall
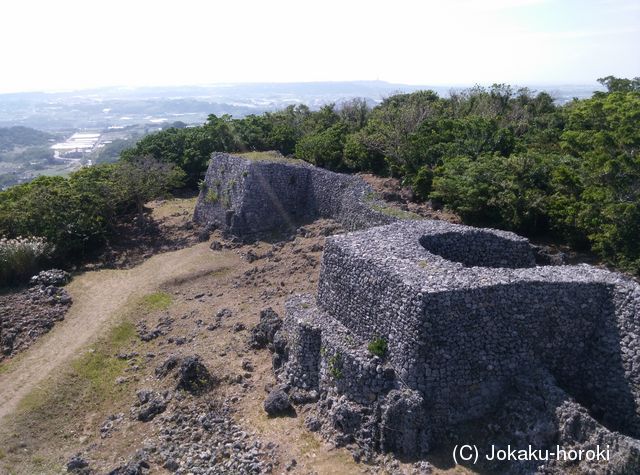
(463, 338)
(249, 197)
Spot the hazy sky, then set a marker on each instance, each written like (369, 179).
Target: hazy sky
(67, 44)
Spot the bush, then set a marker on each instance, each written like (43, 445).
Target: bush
(506, 192)
(378, 347)
(79, 214)
(20, 258)
(422, 182)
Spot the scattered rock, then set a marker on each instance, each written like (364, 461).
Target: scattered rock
(277, 403)
(27, 314)
(238, 327)
(110, 424)
(224, 313)
(77, 464)
(167, 366)
(150, 405)
(171, 464)
(193, 375)
(55, 277)
(291, 465)
(201, 437)
(251, 256)
(215, 246)
(264, 332)
(317, 247)
(162, 328)
(312, 423)
(247, 366)
(546, 255)
(138, 465)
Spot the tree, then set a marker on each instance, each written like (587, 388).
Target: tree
(144, 178)
(392, 123)
(355, 113)
(614, 84)
(325, 148)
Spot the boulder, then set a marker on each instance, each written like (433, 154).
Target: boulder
(193, 376)
(277, 403)
(264, 332)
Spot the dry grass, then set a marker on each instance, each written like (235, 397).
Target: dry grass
(170, 208)
(395, 212)
(270, 156)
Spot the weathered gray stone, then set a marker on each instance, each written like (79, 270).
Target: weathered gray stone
(249, 197)
(193, 376)
(277, 403)
(466, 315)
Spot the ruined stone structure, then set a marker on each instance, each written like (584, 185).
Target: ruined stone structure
(252, 196)
(466, 314)
(478, 341)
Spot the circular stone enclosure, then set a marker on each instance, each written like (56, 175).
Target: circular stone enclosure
(479, 248)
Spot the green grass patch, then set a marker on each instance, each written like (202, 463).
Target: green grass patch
(309, 443)
(99, 367)
(90, 377)
(334, 363)
(395, 212)
(156, 301)
(4, 367)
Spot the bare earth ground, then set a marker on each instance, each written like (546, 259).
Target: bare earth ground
(55, 397)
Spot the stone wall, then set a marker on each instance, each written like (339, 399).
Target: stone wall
(477, 335)
(462, 336)
(249, 196)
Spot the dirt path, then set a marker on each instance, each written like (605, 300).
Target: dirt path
(97, 298)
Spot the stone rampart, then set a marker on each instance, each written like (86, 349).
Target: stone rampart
(252, 196)
(466, 315)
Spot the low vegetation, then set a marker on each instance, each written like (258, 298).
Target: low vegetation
(378, 347)
(20, 258)
(77, 215)
(334, 364)
(156, 301)
(499, 157)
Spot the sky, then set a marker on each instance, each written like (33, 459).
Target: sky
(72, 44)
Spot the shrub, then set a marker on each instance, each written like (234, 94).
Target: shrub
(20, 258)
(335, 366)
(212, 196)
(378, 347)
(80, 213)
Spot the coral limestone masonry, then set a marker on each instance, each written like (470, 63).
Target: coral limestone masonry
(422, 329)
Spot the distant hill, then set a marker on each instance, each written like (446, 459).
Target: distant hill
(18, 136)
